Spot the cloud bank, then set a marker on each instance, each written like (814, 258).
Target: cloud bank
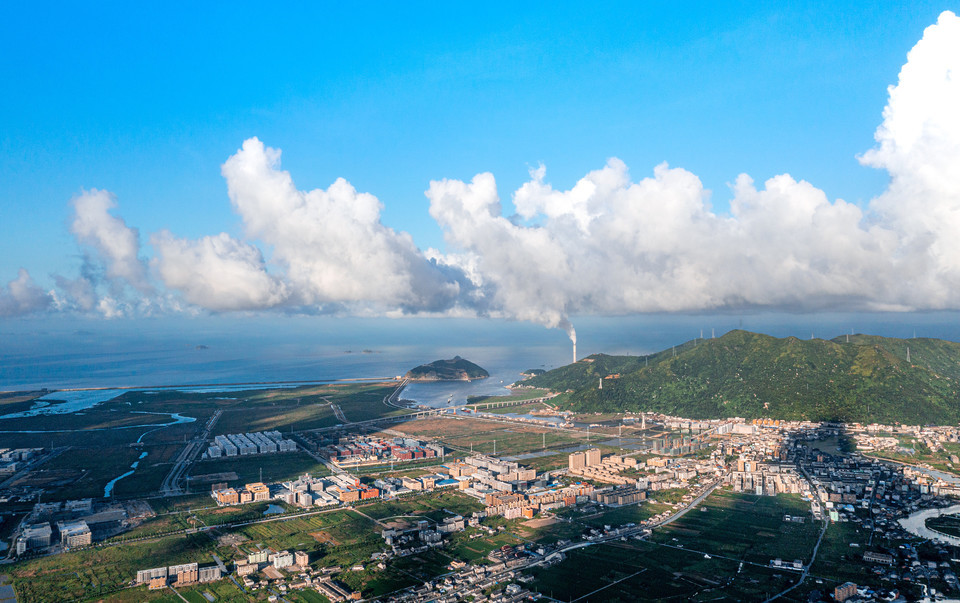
(23, 296)
(611, 244)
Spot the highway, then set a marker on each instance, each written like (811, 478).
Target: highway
(31, 465)
(171, 483)
(391, 399)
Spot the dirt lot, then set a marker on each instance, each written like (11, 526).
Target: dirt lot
(324, 538)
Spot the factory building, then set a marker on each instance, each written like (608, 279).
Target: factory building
(74, 534)
(245, 444)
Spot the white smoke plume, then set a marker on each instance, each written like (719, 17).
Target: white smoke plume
(567, 326)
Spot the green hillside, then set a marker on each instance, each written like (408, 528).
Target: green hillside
(857, 378)
(454, 369)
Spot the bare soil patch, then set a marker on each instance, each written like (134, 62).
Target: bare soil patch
(324, 537)
(539, 523)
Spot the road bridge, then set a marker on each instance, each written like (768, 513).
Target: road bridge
(503, 403)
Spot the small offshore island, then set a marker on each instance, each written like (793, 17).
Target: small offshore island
(454, 369)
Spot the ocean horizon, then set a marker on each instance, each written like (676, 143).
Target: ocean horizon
(36, 354)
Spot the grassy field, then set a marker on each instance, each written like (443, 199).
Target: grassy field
(340, 537)
(620, 516)
(408, 468)
(478, 435)
(276, 468)
(107, 430)
(97, 572)
(641, 571)
(947, 524)
(518, 409)
(837, 560)
(82, 472)
(435, 506)
(465, 548)
(939, 460)
(307, 408)
(547, 463)
(698, 557)
(746, 527)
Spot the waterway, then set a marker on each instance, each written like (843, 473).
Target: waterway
(108, 489)
(274, 510)
(917, 524)
(67, 402)
(177, 419)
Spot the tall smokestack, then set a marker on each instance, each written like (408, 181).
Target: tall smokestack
(567, 326)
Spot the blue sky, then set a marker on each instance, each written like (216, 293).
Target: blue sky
(147, 101)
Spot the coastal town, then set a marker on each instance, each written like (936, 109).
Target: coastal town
(831, 467)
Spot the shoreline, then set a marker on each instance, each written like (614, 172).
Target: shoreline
(196, 385)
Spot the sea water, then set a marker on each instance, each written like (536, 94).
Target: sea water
(62, 354)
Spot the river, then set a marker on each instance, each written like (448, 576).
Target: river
(108, 489)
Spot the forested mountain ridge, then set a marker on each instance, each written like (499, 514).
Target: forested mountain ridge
(850, 378)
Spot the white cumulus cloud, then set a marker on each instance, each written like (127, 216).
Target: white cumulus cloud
(217, 272)
(22, 296)
(918, 143)
(611, 244)
(331, 243)
(115, 243)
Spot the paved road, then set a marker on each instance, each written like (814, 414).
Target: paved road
(806, 569)
(171, 483)
(391, 399)
(692, 504)
(333, 467)
(31, 465)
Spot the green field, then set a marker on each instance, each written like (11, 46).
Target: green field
(306, 408)
(435, 506)
(335, 537)
(641, 571)
(746, 527)
(478, 435)
(518, 394)
(719, 551)
(947, 524)
(275, 467)
(93, 573)
(619, 516)
(697, 557)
